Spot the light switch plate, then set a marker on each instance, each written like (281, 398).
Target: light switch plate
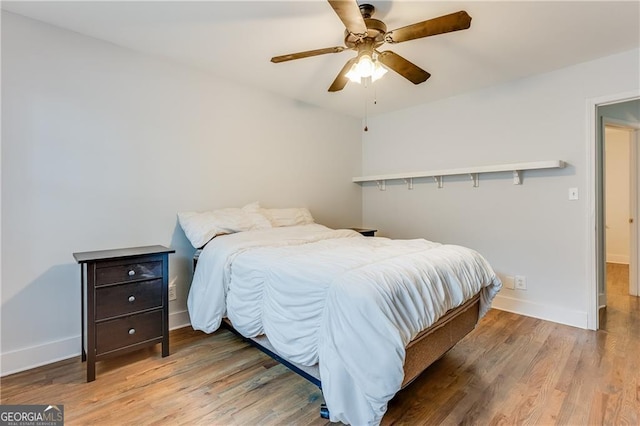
(573, 194)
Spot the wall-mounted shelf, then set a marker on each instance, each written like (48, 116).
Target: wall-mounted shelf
(473, 172)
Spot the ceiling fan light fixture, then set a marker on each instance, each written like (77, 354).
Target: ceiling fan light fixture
(365, 68)
(353, 74)
(378, 71)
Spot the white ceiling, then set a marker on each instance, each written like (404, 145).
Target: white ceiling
(235, 40)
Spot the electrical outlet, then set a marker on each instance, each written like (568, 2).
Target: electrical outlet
(508, 282)
(520, 282)
(172, 292)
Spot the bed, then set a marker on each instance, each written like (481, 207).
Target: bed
(370, 314)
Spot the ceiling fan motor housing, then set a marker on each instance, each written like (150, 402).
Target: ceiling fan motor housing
(376, 30)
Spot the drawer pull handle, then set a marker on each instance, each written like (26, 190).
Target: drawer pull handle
(132, 331)
(132, 273)
(132, 298)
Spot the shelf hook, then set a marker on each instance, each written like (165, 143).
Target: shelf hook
(438, 180)
(517, 177)
(382, 185)
(409, 183)
(474, 178)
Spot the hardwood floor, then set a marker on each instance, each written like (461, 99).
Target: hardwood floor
(510, 370)
(622, 312)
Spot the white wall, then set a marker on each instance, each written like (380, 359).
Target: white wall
(530, 229)
(102, 146)
(617, 181)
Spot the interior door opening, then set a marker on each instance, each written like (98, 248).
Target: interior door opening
(616, 246)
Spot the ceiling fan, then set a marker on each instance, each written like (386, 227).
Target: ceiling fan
(365, 35)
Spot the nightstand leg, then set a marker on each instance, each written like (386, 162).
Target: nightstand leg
(91, 322)
(165, 347)
(165, 303)
(165, 331)
(91, 369)
(83, 355)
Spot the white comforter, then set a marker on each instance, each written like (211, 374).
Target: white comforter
(349, 302)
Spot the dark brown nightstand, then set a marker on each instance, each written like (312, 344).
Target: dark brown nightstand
(367, 232)
(127, 301)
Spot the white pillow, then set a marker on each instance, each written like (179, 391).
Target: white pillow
(200, 228)
(237, 220)
(288, 217)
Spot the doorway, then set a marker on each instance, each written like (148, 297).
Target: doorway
(622, 112)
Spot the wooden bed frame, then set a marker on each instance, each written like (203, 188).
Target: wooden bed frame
(431, 344)
(427, 347)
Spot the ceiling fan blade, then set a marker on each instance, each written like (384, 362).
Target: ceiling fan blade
(408, 70)
(349, 13)
(443, 24)
(306, 54)
(342, 80)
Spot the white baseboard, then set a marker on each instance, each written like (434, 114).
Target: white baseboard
(50, 352)
(544, 312)
(179, 320)
(35, 356)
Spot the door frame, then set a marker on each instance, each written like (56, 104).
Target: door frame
(633, 212)
(634, 253)
(594, 201)
(634, 283)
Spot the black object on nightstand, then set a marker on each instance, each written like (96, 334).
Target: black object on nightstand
(367, 232)
(127, 301)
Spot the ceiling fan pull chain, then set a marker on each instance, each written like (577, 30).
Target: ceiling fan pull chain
(366, 126)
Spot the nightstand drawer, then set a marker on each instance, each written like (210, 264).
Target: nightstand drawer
(112, 301)
(128, 272)
(127, 331)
